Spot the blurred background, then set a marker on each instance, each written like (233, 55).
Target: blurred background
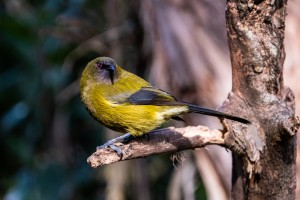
(46, 134)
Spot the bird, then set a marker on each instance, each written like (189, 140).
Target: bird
(126, 103)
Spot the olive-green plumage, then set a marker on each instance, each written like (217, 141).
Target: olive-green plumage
(125, 102)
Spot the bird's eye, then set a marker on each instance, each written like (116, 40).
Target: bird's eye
(101, 65)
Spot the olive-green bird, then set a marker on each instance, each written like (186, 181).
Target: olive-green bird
(127, 103)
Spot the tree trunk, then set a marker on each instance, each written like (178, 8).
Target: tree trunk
(255, 34)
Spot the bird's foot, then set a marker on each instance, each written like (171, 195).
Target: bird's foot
(123, 139)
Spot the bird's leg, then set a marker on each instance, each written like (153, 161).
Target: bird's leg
(128, 139)
(123, 138)
(147, 136)
(131, 137)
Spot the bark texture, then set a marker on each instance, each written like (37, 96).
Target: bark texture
(161, 141)
(256, 34)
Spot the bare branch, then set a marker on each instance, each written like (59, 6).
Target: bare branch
(161, 141)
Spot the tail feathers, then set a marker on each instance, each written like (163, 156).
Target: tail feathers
(205, 111)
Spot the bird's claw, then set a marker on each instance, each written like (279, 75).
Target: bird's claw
(123, 139)
(118, 150)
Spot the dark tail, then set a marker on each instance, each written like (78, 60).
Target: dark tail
(205, 111)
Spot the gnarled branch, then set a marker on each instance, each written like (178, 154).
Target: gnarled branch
(167, 140)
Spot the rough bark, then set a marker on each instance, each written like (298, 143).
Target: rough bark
(255, 35)
(161, 141)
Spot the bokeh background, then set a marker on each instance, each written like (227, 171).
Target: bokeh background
(46, 134)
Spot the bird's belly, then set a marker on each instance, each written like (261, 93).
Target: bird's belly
(137, 119)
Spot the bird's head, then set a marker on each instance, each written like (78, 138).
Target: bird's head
(104, 69)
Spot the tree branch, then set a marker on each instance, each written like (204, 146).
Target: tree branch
(167, 140)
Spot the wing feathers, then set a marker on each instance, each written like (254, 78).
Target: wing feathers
(153, 96)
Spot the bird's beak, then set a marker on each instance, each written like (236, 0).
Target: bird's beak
(112, 70)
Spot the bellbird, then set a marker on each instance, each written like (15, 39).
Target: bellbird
(127, 103)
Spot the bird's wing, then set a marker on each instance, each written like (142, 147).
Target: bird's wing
(153, 96)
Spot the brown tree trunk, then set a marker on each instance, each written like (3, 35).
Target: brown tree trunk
(256, 34)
